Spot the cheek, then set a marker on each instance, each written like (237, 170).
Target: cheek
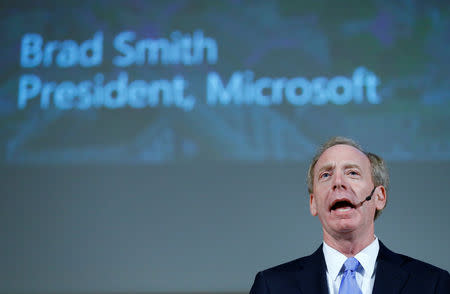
(321, 205)
(321, 195)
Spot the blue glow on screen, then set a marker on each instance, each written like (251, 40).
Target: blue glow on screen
(306, 73)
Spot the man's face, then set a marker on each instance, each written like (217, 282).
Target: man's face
(342, 179)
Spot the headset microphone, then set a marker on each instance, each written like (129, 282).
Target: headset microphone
(368, 197)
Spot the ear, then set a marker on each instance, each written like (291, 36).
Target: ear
(312, 205)
(380, 198)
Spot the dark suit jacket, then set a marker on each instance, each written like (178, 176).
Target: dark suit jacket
(395, 273)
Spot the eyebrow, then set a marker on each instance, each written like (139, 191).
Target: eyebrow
(331, 166)
(328, 166)
(352, 165)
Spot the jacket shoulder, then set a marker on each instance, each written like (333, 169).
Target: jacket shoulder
(416, 266)
(408, 263)
(294, 265)
(287, 266)
(305, 272)
(415, 276)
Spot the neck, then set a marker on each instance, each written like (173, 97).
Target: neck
(349, 245)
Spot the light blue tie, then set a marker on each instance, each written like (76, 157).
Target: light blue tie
(348, 283)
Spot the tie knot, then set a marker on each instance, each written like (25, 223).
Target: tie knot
(351, 264)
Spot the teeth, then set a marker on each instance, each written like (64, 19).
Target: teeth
(344, 209)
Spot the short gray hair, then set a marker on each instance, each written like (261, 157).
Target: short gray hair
(380, 174)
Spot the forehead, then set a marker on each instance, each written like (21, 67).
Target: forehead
(342, 154)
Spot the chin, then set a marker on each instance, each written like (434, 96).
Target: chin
(345, 225)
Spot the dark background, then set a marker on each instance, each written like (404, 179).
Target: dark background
(165, 200)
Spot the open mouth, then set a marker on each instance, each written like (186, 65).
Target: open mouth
(343, 205)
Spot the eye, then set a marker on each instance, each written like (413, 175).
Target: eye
(353, 173)
(324, 175)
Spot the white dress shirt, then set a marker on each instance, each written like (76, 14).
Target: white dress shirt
(365, 275)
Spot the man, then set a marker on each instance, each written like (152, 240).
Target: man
(348, 190)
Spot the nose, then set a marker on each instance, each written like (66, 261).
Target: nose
(339, 181)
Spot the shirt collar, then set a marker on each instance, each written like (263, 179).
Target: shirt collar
(366, 257)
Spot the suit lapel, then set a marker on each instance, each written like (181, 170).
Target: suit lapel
(311, 276)
(390, 277)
